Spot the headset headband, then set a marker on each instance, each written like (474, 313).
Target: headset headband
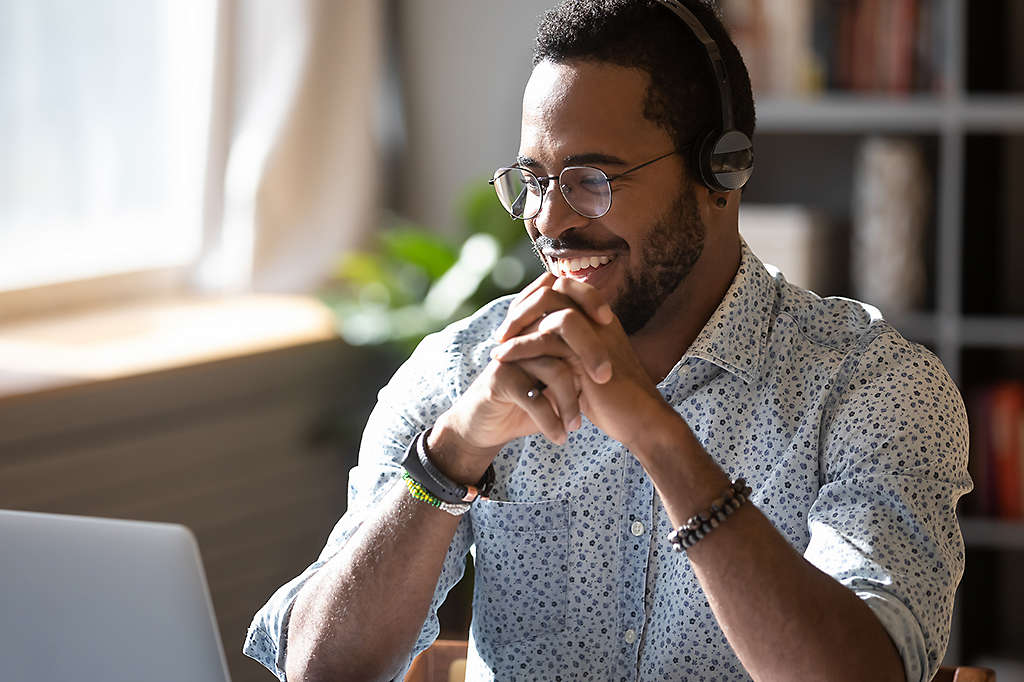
(714, 56)
(725, 157)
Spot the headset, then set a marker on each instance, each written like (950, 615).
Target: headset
(725, 156)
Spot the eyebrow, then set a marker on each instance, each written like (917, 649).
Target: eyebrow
(575, 160)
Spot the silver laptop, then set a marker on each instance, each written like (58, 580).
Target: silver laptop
(85, 599)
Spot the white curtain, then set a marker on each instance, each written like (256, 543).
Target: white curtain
(293, 172)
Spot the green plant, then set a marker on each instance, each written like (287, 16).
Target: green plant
(415, 281)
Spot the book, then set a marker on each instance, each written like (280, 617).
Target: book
(1005, 422)
(798, 47)
(796, 240)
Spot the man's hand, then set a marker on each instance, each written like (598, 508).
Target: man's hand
(538, 392)
(549, 321)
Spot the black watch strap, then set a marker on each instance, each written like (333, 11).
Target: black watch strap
(417, 463)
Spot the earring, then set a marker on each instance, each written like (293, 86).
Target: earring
(720, 202)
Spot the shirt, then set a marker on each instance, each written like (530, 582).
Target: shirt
(853, 439)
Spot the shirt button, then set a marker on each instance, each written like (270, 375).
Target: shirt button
(637, 528)
(630, 636)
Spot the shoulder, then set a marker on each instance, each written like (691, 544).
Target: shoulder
(455, 355)
(870, 361)
(842, 324)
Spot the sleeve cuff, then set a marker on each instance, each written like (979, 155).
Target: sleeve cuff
(904, 631)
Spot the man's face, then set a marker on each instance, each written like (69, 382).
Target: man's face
(591, 114)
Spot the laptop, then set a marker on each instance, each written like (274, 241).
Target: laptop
(86, 599)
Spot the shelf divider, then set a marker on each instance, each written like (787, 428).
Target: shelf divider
(991, 533)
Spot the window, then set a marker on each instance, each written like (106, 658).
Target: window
(104, 113)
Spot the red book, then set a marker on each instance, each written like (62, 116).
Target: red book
(903, 14)
(982, 500)
(1007, 411)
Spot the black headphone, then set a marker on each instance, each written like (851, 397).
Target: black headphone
(725, 156)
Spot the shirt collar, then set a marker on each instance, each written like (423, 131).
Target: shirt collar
(736, 334)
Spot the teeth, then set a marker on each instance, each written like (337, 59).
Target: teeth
(568, 265)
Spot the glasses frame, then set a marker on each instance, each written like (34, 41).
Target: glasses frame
(544, 182)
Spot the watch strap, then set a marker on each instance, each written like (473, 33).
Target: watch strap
(418, 464)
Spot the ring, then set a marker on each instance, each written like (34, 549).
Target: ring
(537, 390)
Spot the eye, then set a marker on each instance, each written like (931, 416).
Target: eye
(594, 184)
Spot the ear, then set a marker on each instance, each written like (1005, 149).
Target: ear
(718, 209)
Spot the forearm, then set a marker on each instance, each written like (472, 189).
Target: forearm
(359, 617)
(798, 623)
(784, 618)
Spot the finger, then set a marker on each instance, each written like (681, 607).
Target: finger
(544, 280)
(564, 334)
(555, 407)
(561, 387)
(586, 297)
(514, 385)
(532, 309)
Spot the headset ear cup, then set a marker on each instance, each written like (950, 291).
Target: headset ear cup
(704, 152)
(726, 160)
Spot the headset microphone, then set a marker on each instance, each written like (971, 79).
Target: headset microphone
(726, 155)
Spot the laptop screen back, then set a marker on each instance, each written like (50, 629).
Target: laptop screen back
(90, 599)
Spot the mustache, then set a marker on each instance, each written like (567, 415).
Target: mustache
(571, 241)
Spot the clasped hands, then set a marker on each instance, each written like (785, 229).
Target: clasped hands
(560, 336)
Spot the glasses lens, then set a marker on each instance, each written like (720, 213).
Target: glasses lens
(519, 192)
(586, 190)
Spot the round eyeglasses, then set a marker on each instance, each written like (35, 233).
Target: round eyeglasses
(587, 190)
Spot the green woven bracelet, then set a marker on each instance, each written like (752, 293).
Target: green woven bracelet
(419, 492)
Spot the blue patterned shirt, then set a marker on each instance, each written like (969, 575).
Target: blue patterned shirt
(853, 439)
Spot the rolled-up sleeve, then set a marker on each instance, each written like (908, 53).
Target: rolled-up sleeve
(413, 399)
(884, 523)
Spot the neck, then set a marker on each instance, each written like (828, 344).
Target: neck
(668, 334)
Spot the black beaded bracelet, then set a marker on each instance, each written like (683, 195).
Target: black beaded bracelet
(699, 525)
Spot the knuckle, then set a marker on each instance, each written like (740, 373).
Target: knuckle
(563, 371)
(503, 374)
(566, 285)
(560, 318)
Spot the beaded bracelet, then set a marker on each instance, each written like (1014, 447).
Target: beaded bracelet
(420, 493)
(699, 525)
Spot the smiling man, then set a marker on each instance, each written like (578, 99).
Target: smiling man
(691, 469)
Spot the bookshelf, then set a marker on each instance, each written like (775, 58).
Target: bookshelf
(969, 119)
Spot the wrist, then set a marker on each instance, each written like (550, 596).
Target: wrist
(454, 456)
(676, 461)
(663, 431)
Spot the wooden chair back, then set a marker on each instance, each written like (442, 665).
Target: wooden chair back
(964, 673)
(444, 661)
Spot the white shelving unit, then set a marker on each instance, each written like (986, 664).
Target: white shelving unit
(945, 119)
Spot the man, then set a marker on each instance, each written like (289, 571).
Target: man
(625, 391)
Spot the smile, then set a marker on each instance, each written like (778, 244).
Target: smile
(573, 266)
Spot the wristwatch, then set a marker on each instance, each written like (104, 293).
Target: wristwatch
(417, 463)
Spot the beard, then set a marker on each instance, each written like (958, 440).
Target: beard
(669, 253)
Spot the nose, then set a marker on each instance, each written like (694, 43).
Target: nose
(556, 216)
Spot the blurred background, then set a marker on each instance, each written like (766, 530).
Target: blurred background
(223, 224)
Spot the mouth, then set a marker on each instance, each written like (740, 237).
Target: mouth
(581, 268)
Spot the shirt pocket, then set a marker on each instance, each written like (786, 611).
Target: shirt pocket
(521, 569)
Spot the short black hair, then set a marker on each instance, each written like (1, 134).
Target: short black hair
(682, 97)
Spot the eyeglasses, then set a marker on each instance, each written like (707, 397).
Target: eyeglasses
(587, 190)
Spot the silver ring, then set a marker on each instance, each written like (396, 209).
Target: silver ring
(536, 391)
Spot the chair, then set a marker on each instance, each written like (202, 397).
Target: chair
(963, 673)
(445, 661)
